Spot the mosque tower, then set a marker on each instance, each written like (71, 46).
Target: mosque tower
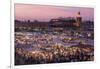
(78, 19)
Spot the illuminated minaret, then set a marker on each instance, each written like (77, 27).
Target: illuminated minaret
(78, 19)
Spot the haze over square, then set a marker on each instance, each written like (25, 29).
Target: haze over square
(45, 13)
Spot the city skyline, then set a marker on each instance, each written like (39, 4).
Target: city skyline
(46, 13)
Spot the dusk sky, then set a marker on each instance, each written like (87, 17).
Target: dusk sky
(45, 13)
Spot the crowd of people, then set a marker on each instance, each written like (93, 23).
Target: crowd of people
(49, 38)
(52, 47)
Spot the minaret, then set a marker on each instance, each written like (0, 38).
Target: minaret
(78, 19)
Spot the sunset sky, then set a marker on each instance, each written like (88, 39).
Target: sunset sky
(45, 13)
